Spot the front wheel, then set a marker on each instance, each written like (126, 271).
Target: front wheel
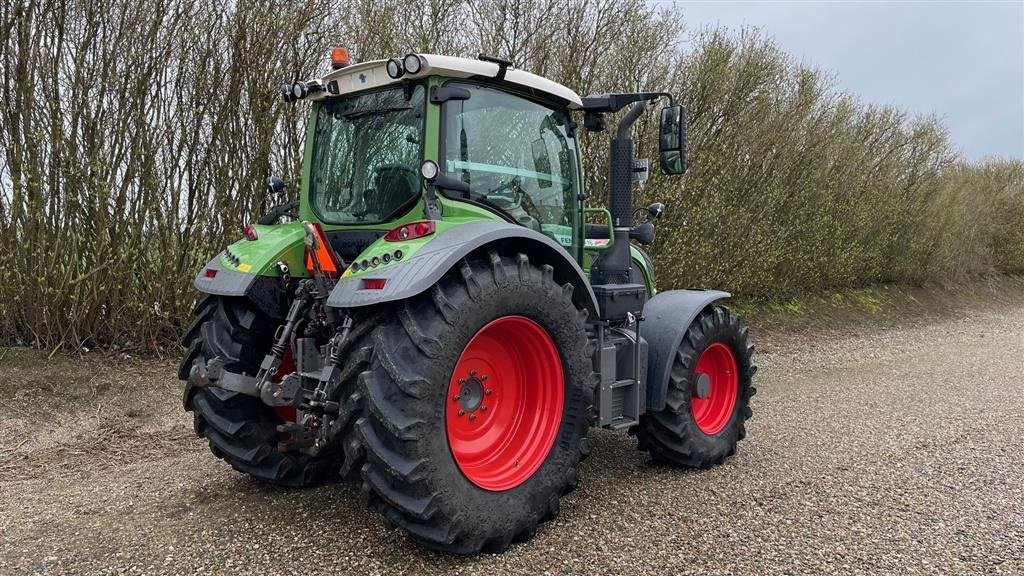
(708, 396)
(476, 406)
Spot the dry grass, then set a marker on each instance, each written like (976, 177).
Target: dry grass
(147, 161)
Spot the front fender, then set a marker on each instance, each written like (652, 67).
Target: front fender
(667, 316)
(428, 264)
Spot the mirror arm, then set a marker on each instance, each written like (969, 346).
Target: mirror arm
(446, 182)
(431, 208)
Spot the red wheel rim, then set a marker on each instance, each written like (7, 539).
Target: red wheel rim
(504, 403)
(715, 385)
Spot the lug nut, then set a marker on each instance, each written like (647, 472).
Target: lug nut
(455, 398)
(483, 378)
(488, 391)
(472, 416)
(461, 412)
(472, 373)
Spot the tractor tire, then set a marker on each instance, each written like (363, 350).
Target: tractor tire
(241, 429)
(457, 475)
(708, 396)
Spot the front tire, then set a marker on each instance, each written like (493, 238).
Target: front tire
(454, 487)
(708, 396)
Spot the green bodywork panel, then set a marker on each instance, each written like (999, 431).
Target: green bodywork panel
(641, 263)
(276, 243)
(409, 247)
(284, 242)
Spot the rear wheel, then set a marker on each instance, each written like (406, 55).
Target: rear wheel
(241, 429)
(476, 406)
(708, 396)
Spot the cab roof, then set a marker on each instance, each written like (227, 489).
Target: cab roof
(373, 74)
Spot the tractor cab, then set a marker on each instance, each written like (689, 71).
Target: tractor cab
(504, 142)
(505, 138)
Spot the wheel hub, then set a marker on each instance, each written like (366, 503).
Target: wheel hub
(471, 393)
(703, 386)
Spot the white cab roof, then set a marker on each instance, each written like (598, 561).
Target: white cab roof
(372, 74)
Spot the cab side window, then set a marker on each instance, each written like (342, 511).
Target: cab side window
(517, 156)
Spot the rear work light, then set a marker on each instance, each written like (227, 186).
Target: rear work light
(395, 68)
(412, 63)
(374, 283)
(411, 231)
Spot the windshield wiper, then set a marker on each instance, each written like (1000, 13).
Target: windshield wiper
(373, 112)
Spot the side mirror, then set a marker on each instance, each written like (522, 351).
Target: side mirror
(672, 140)
(275, 185)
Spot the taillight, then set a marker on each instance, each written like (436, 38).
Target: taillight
(374, 283)
(250, 232)
(210, 273)
(411, 231)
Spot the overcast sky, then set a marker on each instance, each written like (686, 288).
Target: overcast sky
(961, 60)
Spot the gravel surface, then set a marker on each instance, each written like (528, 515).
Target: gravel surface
(889, 450)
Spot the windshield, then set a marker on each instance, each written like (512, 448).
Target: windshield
(366, 155)
(517, 156)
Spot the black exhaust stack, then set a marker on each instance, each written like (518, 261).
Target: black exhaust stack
(613, 266)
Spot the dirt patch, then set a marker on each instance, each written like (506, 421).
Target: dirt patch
(72, 414)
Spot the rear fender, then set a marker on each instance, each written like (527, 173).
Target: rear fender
(667, 316)
(264, 291)
(248, 268)
(425, 267)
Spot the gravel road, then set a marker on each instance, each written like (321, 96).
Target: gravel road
(889, 450)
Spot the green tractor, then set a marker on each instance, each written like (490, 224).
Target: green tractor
(438, 320)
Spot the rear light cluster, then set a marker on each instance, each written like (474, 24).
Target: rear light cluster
(386, 258)
(231, 257)
(403, 233)
(411, 231)
(250, 233)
